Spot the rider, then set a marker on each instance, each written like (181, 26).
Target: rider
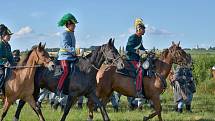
(67, 53)
(6, 57)
(16, 56)
(134, 47)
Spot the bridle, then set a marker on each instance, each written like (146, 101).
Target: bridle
(107, 59)
(174, 56)
(38, 59)
(110, 58)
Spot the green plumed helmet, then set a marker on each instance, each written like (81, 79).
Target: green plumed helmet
(66, 18)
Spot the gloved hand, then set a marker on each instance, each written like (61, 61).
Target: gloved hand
(141, 52)
(7, 64)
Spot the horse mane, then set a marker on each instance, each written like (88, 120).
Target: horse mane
(24, 60)
(85, 62)
(164, 53)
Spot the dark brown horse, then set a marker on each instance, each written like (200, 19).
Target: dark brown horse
(20, 84)
(82, 81)
(108, 80)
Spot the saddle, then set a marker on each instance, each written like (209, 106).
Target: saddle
(129, 70)
(148, 65)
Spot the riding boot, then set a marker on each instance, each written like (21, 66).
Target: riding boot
(188, 108)
(180, 110)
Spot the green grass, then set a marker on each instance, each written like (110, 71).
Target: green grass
(203, 110)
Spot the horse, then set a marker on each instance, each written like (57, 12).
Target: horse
(82, 80)
(20, 83)
(108, 80)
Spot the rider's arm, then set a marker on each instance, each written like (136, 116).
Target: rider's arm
(10, 57)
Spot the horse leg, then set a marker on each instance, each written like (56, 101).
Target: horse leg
(157, 107)
(70, 102)
(101, 106)
(5, 109)
(35, 107)
(18, 110)
(90, 105)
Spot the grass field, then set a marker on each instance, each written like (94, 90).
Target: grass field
(203, 105)
(203, 110)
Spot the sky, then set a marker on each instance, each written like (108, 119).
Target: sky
(189, 21)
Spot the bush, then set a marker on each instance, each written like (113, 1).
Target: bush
(202, 65)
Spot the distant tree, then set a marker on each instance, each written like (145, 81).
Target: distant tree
(120, 50)
(123, 50)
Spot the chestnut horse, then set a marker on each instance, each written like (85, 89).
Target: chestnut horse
(20, 84)
(108, 80)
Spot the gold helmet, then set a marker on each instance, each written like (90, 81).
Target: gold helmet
(139, 24)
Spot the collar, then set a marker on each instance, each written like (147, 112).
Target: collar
(3, 41)
(68, 30)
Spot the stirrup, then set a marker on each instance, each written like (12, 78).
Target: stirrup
(1, 92)
(140, 95)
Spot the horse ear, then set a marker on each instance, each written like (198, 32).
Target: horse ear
(173, 43)
(44, 45)
(110, 42)
(113, 41)
(40, 46)
(178, 44)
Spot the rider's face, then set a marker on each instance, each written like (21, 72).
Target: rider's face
(71, 27)
(6, 38)
(141, 31)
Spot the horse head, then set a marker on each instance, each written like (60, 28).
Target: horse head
(111, 55)
(178, 55)
(42, 57)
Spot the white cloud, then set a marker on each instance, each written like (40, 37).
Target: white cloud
(57, 34)
(23, 31)
(156, 31)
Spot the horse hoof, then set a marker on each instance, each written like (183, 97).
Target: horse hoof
(145, 118)
(89, 119)
(15, 119)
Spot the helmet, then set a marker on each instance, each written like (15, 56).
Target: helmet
(66, 18)
(4, 30)
(139, 23)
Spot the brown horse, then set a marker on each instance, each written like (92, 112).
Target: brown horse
(108, 80)
(20, 84)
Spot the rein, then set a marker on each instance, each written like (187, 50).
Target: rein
(163, 80)
(14, 67)
(35, 66)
